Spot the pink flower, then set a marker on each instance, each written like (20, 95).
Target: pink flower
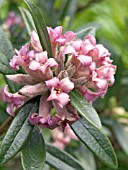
(56, 35)
(61, 140)
(12, 19)
(42, 62)
(14, 100)
(76, 64)
(22, 57)
(59, 90)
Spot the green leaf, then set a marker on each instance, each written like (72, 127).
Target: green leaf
(86, 158)
(86, 31)
(68, 9)
(18, 133)
(4, 65)
(40, 26)
(60, 159)
(48, 10)
(5, 70)
(96, 141)
(85, 109)
(121, 135)
(3, 59)
(27, 20)
(33, 153)
(5, 46)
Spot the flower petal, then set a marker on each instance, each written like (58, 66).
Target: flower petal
(34, 65)
(41, 57)
(85, 60)
(52, 63)
(66, 85)
(63, 99)
(53, 95)
(52, 82)
(68, 50)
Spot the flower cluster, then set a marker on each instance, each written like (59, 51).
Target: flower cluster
(76, 64)
(12, 20)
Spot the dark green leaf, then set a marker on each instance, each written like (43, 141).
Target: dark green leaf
(18, 133)
(121, 135)
(5, 46)
(48, 10)
(60, 159)
(40, 26)
(5, 70)
(3, 59)
(84, 108)
(96, 141)
(33, 153)
(4, 65)
(86, 31)
(27, 20)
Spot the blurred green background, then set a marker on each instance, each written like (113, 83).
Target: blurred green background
(110, 19)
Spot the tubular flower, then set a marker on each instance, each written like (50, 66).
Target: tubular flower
(77, 64)
(59, 90)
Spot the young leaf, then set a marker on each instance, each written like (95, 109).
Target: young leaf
(84, 108)
(27, 20)
(40, 26)
(60, 159)
(96, 141)
(86, 31)
(33, 153)
(18, 133)
(5, 47)
(121, 135)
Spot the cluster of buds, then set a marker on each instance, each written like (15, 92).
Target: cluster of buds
(76, 64)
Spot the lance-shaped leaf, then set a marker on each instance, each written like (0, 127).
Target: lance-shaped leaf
(18, 133)
(5, 70)
(60, 159)
(84, 108)
(86, 157)
(27, 20)
(86, 31)
(40, 26)
(5, 46)
(3, 59)
(68, 9)
(33, 153)
(96, 141)
(121, 135)
(4, 65)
